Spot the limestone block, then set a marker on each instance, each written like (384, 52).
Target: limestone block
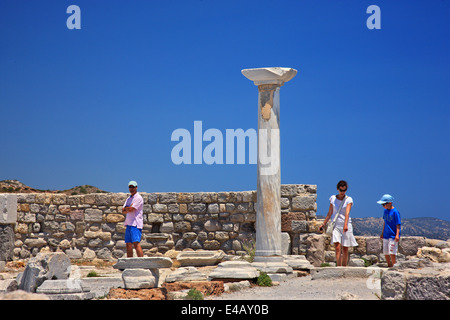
(269, 75)
(434, 254)
(356, 262)
(327, 273)
(306, 202)
(168, 197)
(393, 285)
(7, 242)
(160, 208)
(93, 215)
(197, 208)
(44, 266)
(8, 208)
(143, 263)
(299, 226)
(23, 295)
(410, 245)
(139, 279)
(286, 246)
(8, 285)
(118, 199)
(272, 267)
(200, 258)
(428, 287)
(234, 270)
(315, 249)
(167, 227)
(186, 274)
(373, 245)
(288, 218)
(61, 286)
(297, 262)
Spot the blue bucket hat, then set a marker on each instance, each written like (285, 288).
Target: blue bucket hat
(385, 199)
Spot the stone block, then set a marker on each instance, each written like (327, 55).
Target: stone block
(304, 202)
(297, 262)
(186, 274)
(8, 285)
(139, 279)
(160, 208)
(61, 286)
(393, 285)
(410, 245)
(196, 208)
(143, 263)
(100, 286)
(374, 245)
(291, 190)
(286, 246)
(299, 226)
(43, 267)
(234, 270)
(200, 258)
(212, 225)
(287, 218)
(115, 217)
(93, 215)
(167, 227)
(315, 249)
(327, 273)
(7, 242)
(272, 267)
(8, 208)
(168, 197)
(428, 287)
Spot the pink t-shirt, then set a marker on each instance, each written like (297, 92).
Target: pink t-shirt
(135, 218)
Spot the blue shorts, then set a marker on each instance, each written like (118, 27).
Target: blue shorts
(133, 234)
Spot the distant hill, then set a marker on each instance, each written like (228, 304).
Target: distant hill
(15, 186)
(431, 228)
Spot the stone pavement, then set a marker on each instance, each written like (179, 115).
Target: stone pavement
(413, 279)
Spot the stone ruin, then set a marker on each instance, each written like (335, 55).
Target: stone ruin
(280, 220)
(422, 271)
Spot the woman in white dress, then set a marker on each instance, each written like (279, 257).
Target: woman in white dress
(342, 236)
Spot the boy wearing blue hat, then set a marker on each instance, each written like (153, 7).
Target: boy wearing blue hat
(391, 229)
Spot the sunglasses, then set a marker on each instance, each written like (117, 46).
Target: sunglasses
(340, 190)
(131, 187)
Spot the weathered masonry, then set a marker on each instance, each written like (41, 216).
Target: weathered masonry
(91, 226)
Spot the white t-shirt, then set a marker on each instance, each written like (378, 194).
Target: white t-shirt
(336, 203)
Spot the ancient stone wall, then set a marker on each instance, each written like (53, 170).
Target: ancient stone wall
(91, 226)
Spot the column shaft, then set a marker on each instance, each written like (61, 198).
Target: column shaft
(268, 214)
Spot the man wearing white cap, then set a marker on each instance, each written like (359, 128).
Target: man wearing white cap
(391, 229)
(134, 221)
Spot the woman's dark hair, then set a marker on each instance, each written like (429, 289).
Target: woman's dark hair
(342, 183)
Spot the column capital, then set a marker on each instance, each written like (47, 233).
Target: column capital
(272, 75)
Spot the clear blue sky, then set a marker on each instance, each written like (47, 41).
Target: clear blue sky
(98, 105)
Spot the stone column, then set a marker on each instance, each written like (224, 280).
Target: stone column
(268, 208)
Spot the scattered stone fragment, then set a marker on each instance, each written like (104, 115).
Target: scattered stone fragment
(186, 274)
(200, 258)
(43, 267)
(234, 270)
(143, 263)
(139, 279)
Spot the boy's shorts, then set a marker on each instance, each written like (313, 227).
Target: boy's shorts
(133, 234)
(390, 246)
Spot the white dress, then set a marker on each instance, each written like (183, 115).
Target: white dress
(347, 239)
